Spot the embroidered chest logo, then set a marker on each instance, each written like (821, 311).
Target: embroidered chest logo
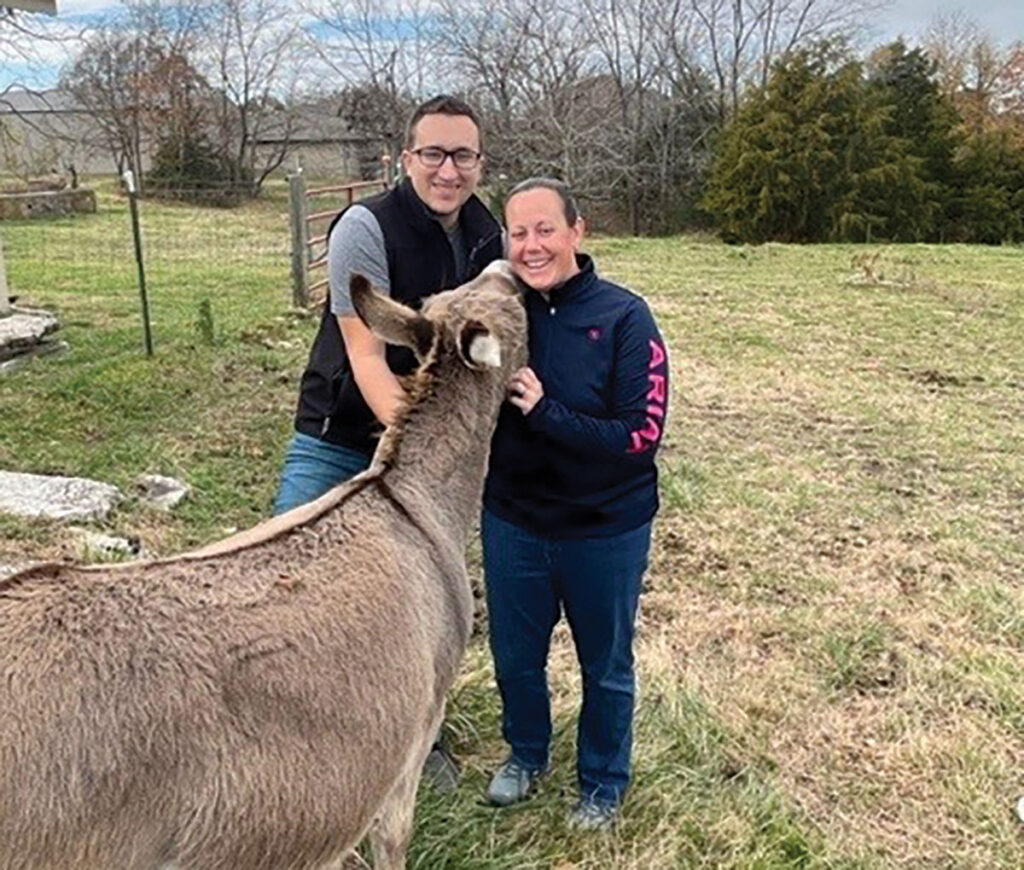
(594, 333)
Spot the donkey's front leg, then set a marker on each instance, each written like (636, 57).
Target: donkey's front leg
(392, 829)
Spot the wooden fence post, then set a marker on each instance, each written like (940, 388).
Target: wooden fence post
(300, 235)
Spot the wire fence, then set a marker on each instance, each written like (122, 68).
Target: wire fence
(189, 235)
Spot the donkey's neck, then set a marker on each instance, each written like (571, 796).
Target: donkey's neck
(441, 448)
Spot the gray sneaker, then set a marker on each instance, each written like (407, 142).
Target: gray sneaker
(589, 815)
(511, 783)
(440, 770)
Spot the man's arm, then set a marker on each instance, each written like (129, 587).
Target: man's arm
(377, 383)
(357, 245)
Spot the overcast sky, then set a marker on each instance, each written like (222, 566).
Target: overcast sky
(1003, 19)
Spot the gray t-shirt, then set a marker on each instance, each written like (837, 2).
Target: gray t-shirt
(356, 245)
(458, 243)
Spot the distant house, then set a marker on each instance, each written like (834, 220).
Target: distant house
(45, 130)
(322, 143)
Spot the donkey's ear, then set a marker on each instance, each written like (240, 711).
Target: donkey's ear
(390, 320)
(477, 347)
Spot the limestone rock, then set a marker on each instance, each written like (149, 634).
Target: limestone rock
(57, 498)
(22, 330)
(161, 492)
(98, 546)
(46, 203)
(46, 348)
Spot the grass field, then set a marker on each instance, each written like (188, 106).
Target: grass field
(831, 650)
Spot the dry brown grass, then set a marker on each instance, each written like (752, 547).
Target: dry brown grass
(831, 648)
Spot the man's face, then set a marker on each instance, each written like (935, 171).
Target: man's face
(445, 188)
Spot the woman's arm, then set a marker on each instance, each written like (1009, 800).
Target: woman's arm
(640, 398)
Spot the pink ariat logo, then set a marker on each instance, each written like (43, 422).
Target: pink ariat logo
(594, 333)
(657, 395)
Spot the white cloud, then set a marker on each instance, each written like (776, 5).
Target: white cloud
(1001, 19)
(80, 7)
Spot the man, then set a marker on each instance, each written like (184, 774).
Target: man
(428, 234)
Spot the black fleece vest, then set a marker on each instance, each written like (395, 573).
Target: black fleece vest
(420, 263)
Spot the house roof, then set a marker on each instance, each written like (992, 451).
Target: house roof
(26, 102)
(311, 123)
(47, 6)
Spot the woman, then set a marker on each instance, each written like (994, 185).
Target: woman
(569, 501)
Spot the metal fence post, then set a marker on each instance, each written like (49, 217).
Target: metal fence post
(133, 209)
(4, 303)
(300, 237)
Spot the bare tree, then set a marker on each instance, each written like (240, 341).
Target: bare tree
(618, 97)
(980, 76)
(626, 34)
(598, 92)
(22, 33)
(250, 54)
(386, 48)
(24, 40)
(134, 78)
(104, 81)
(740, 40)
(531, 67)
(952, 41)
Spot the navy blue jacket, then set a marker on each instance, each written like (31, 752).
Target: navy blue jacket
(581, 463)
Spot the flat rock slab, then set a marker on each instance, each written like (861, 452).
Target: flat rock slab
(23, 330)
(47, 203)
(39, 496)
(160, 492)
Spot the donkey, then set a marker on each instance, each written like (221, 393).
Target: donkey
(264, 702)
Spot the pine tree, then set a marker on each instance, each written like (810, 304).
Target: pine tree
(925, 124)
(784, 165)
(987, 201)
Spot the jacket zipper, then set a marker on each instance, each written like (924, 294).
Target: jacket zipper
(477, 247)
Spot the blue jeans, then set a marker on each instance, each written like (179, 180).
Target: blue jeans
(311, 467)
(597, 581)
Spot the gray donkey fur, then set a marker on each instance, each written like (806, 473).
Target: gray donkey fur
(264, 702)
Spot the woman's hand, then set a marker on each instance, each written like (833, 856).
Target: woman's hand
(525, 389)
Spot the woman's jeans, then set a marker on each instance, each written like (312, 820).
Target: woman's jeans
(597, 581)
(311, 467)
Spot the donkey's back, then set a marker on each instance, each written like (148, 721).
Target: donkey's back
(251, 710)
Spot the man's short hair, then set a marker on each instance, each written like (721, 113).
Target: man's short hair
(442, 104)
(564, 192)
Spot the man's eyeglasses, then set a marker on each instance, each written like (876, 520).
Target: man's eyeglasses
(432, 157)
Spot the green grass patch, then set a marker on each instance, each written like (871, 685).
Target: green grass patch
(831, 651)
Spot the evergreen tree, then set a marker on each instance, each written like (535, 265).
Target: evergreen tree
(882, 186)
(986, 202)
(925, 123)
(783, 166)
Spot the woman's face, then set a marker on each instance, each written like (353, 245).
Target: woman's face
(542, 245)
